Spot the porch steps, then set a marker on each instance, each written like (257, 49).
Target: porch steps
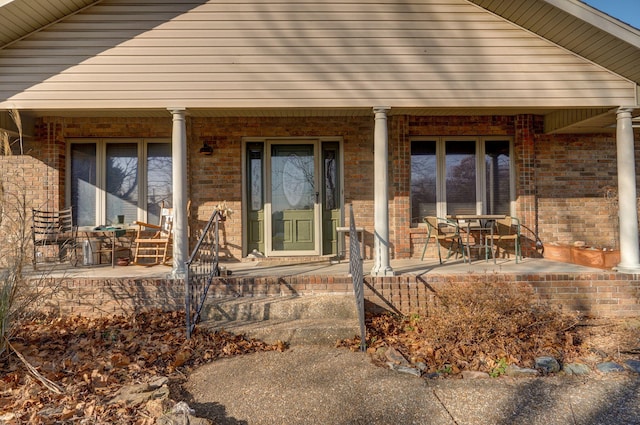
(294, 319)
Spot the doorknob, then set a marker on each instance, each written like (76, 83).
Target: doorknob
(317, 197)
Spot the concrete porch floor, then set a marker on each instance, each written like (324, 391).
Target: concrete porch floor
(323, 268)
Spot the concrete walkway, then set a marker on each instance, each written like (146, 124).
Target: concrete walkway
(321, 385)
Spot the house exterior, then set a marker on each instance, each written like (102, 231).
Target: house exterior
(398, 110)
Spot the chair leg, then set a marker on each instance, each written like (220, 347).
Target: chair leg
(424, 250)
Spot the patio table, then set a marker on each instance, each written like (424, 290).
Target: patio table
(484, 228)
(117, 238)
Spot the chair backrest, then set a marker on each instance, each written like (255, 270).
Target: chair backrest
(441, 226)
(166, 222)
(507, 226)
(53, 225)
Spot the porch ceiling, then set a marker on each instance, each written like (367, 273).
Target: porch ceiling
(556, 121)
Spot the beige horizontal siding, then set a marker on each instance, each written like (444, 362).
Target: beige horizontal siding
(438, 53)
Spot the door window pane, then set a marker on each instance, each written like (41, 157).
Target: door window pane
(330, 172)
(159, 180)
(497, 177)
(461, 177)
(255, 176)
(121, 181)
(293, 197)
(423, 180)
(83, 183)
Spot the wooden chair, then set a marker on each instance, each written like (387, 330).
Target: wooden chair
(154, 241)
(442, 230)
(54, 228)
(508, 229)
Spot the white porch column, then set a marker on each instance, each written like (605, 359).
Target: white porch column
(381, 266)
(179, 168)
(627, 211)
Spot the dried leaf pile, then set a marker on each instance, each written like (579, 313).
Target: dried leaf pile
(91, 359)
(482, 325)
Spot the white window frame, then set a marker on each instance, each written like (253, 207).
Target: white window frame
(481, 192)
(101, 154)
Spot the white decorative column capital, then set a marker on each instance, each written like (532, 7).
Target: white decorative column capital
(625, 110)
(379, 111)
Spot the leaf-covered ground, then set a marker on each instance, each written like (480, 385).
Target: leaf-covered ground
(484, 326)
(91, 359)
(476, 326)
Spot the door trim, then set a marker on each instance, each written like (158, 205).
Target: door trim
(266, 187)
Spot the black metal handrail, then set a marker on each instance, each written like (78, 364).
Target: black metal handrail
(201, 267)
(357, 276)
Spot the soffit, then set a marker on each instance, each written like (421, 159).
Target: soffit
(19, 18)
(577, 27)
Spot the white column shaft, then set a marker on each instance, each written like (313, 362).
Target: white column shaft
(179, 168)
(627, 210)
(381, 265)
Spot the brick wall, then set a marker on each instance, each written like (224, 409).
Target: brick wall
(572, 173)
(560, 178)
(218, 177)
(602, 294)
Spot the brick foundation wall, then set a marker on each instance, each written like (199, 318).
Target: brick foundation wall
(594, 294)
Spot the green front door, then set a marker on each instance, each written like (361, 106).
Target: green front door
(294, 199)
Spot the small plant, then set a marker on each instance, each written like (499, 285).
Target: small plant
(499, 369)
(445, 370)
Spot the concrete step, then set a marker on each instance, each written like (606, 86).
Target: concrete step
(296, 320)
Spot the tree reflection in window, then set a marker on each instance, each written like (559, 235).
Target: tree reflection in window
(423, 180)
(122, 181)
(461, 177)
(159, 179)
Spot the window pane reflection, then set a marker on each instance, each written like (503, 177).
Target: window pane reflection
(423, 180)
(159, 179)
(461, 177)
(122, 181)
(497, 176)
(83, 183)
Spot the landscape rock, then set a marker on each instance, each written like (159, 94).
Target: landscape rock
(609, 367)
(520, 372)
(576, 369)
(405, 369)
(395, 357)
(547, 364)
(182, 419)
(633, 365)
(158, 407)
(133, 395)
(182, 414)
(474, 374)
(433, 375)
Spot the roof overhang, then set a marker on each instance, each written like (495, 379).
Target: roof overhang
(601, 120)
